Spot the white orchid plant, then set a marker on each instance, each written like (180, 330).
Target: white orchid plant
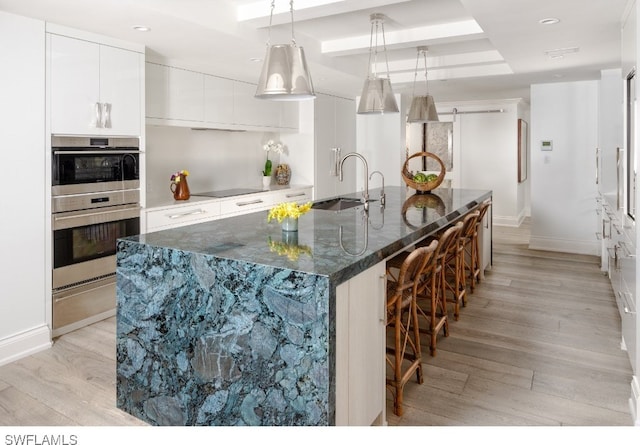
(274, 146)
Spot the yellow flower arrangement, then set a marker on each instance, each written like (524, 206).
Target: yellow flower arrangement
(288, 210)
(175, 178)
(292, 251)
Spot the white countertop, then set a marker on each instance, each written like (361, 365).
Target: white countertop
(169, 203)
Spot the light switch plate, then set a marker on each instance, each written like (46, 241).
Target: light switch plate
(546, 145)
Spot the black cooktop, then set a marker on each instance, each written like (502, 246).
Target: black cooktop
(226, 193)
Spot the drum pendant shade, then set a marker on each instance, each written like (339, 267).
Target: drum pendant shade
(423, 108)
(377, 97)
(285, 75)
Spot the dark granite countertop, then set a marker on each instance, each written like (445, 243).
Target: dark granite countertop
(335, 244)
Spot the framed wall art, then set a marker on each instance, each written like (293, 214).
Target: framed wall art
(523, 149)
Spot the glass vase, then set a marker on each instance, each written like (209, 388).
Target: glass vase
(290, 224)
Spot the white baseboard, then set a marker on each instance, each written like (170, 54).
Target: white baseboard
(24, 344)
(564, 245)
(508, 221)
(634, 400)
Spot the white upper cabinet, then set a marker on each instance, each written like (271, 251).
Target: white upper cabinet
(180, 97)
(254, 112)
(186, 95)
(334, 128)
(218, 100)
(157, 90)
(94, 88)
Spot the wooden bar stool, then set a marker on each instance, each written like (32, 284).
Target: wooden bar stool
(404, 357)
(463, 263)
(432, 304)
(454, 287)
(475, 248)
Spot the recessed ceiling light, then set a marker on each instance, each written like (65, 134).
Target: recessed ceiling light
(255, 59)
(142, 28)
(559, 53)
(549, 21)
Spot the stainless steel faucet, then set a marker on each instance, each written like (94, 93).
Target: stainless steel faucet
(365, 195)
(382, 195)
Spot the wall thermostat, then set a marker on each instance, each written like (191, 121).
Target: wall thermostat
(546, 145)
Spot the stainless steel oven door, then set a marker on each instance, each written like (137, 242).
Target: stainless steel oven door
(84, 242)
(94, 201)
(83, 304)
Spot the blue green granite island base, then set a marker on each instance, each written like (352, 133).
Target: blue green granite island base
(227, 323)
(209, 341)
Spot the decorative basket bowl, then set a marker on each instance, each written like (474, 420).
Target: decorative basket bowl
(423, 186)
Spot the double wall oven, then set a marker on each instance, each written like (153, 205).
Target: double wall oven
(95, 197)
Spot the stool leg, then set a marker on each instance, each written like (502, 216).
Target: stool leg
(476, 259)
(472, 263)
(397, 372)
(461, 283)
(416, 336)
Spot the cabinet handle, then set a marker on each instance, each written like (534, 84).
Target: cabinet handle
(182, 215)
(293, 195)
(625, 303)
(598, 236)
(626, 250)
(613, 255)
(615, 226)
(604, 229)
(335, 163)
(96, 121)
(383, 316)
(597, 165)
(106, 115)
(257, 201)
(618, 150)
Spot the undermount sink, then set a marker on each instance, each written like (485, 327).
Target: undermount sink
(338, 204)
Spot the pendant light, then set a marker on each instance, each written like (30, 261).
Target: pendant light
(423, 108)
(284, 75)
(377, 96)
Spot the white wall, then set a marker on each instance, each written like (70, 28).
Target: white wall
(486, 153)
(23, 279)
(563, 188)
(216, 159)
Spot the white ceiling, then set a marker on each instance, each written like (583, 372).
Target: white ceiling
(477, 49)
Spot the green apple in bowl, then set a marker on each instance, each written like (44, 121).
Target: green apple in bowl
(420, 177)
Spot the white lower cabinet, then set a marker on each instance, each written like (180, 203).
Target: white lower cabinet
(246, 204)
(622, 268)
(182, 215)
(360, 348)
(300, 195)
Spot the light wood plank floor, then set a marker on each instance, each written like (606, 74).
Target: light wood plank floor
(538, 344)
